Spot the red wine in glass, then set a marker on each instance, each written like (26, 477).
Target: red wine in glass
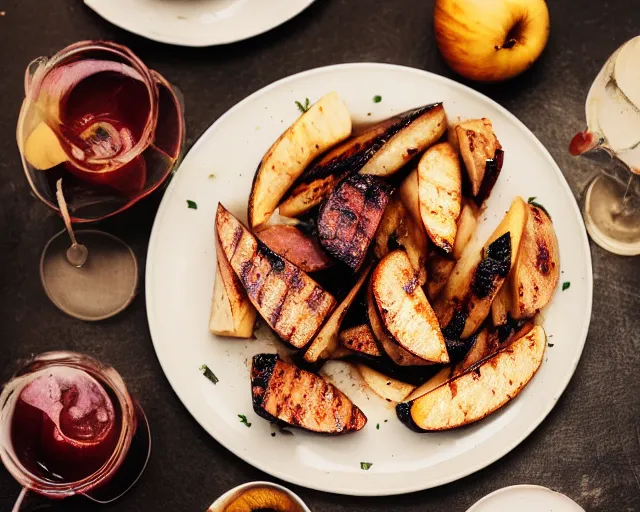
(70, 427)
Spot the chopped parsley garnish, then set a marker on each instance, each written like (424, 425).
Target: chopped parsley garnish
(303, 108)
(366, 465)
(243, 419)
(206, 371)
(565, 285)
(532, 201)
(192, 204)
(377, 426)
(211, 176)
(377, 98)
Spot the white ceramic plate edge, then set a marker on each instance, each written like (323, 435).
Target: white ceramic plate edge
(125, 24)
(477, 464)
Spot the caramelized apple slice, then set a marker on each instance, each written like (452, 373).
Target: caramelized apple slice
(440, 194)
(417, 130)
(232, 313)
(324, 125)
(349, 219)
(286, 394)
(477, 144)
(404, 309)
(537, 269)
(389, 346)
(292, 303)
(480, 390)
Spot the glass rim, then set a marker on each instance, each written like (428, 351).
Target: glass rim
(106, 375)
(152, 80)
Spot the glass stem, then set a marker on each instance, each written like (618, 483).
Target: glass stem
(18, 503)
(64, 211)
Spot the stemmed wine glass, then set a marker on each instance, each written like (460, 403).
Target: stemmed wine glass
(612, 139)
(97, 132)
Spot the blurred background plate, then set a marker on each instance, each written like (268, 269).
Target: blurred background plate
(197, 22)
(180, 273)
(526, 498)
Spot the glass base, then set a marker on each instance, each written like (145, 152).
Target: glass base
(611, 222)
(103, 287)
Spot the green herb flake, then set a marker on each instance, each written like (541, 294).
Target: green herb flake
(377, 426)
(211, 176)
(206, 371)
(377, 98)
(303, 108)
(566, 285)
(243, 419)
(366, 465)
(532, 201)
(192, 204)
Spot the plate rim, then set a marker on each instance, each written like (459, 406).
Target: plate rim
(473, 467)
(91, 4)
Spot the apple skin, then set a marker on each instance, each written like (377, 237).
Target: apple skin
(491, 40)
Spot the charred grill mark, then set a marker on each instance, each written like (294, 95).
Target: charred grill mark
(493, 168)
(315, 298)
(237, 235)
(261, 372)
(411, 285)
(297, 283)
(348, 220)
(411, 152)
(276, 261)
(356, 157)
(495, 265)
(454, 328)
(543, 257)
(453, 387)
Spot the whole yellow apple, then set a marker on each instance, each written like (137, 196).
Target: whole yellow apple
(491, 40)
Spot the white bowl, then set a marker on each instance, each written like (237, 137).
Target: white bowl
(225, 499)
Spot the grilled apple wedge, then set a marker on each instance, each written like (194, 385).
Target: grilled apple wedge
(283, 393)
(292, 303)
(319, 180)
(440, 194)
(477, 144)
(404, 309)
(360, 339)
(415, 132)
(398, 230)
(392, 390)
(292, 244)
(326, 340)
(408, 194)
(324, 125)
(348, 220)
(389, 346)
(537, 269)
(480, 390)
(232, 313)
(478, 275)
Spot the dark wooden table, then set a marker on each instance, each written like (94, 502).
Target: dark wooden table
(588, 447)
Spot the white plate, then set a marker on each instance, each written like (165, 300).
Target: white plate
(526, 498)
(180, 271)
(197, 22)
